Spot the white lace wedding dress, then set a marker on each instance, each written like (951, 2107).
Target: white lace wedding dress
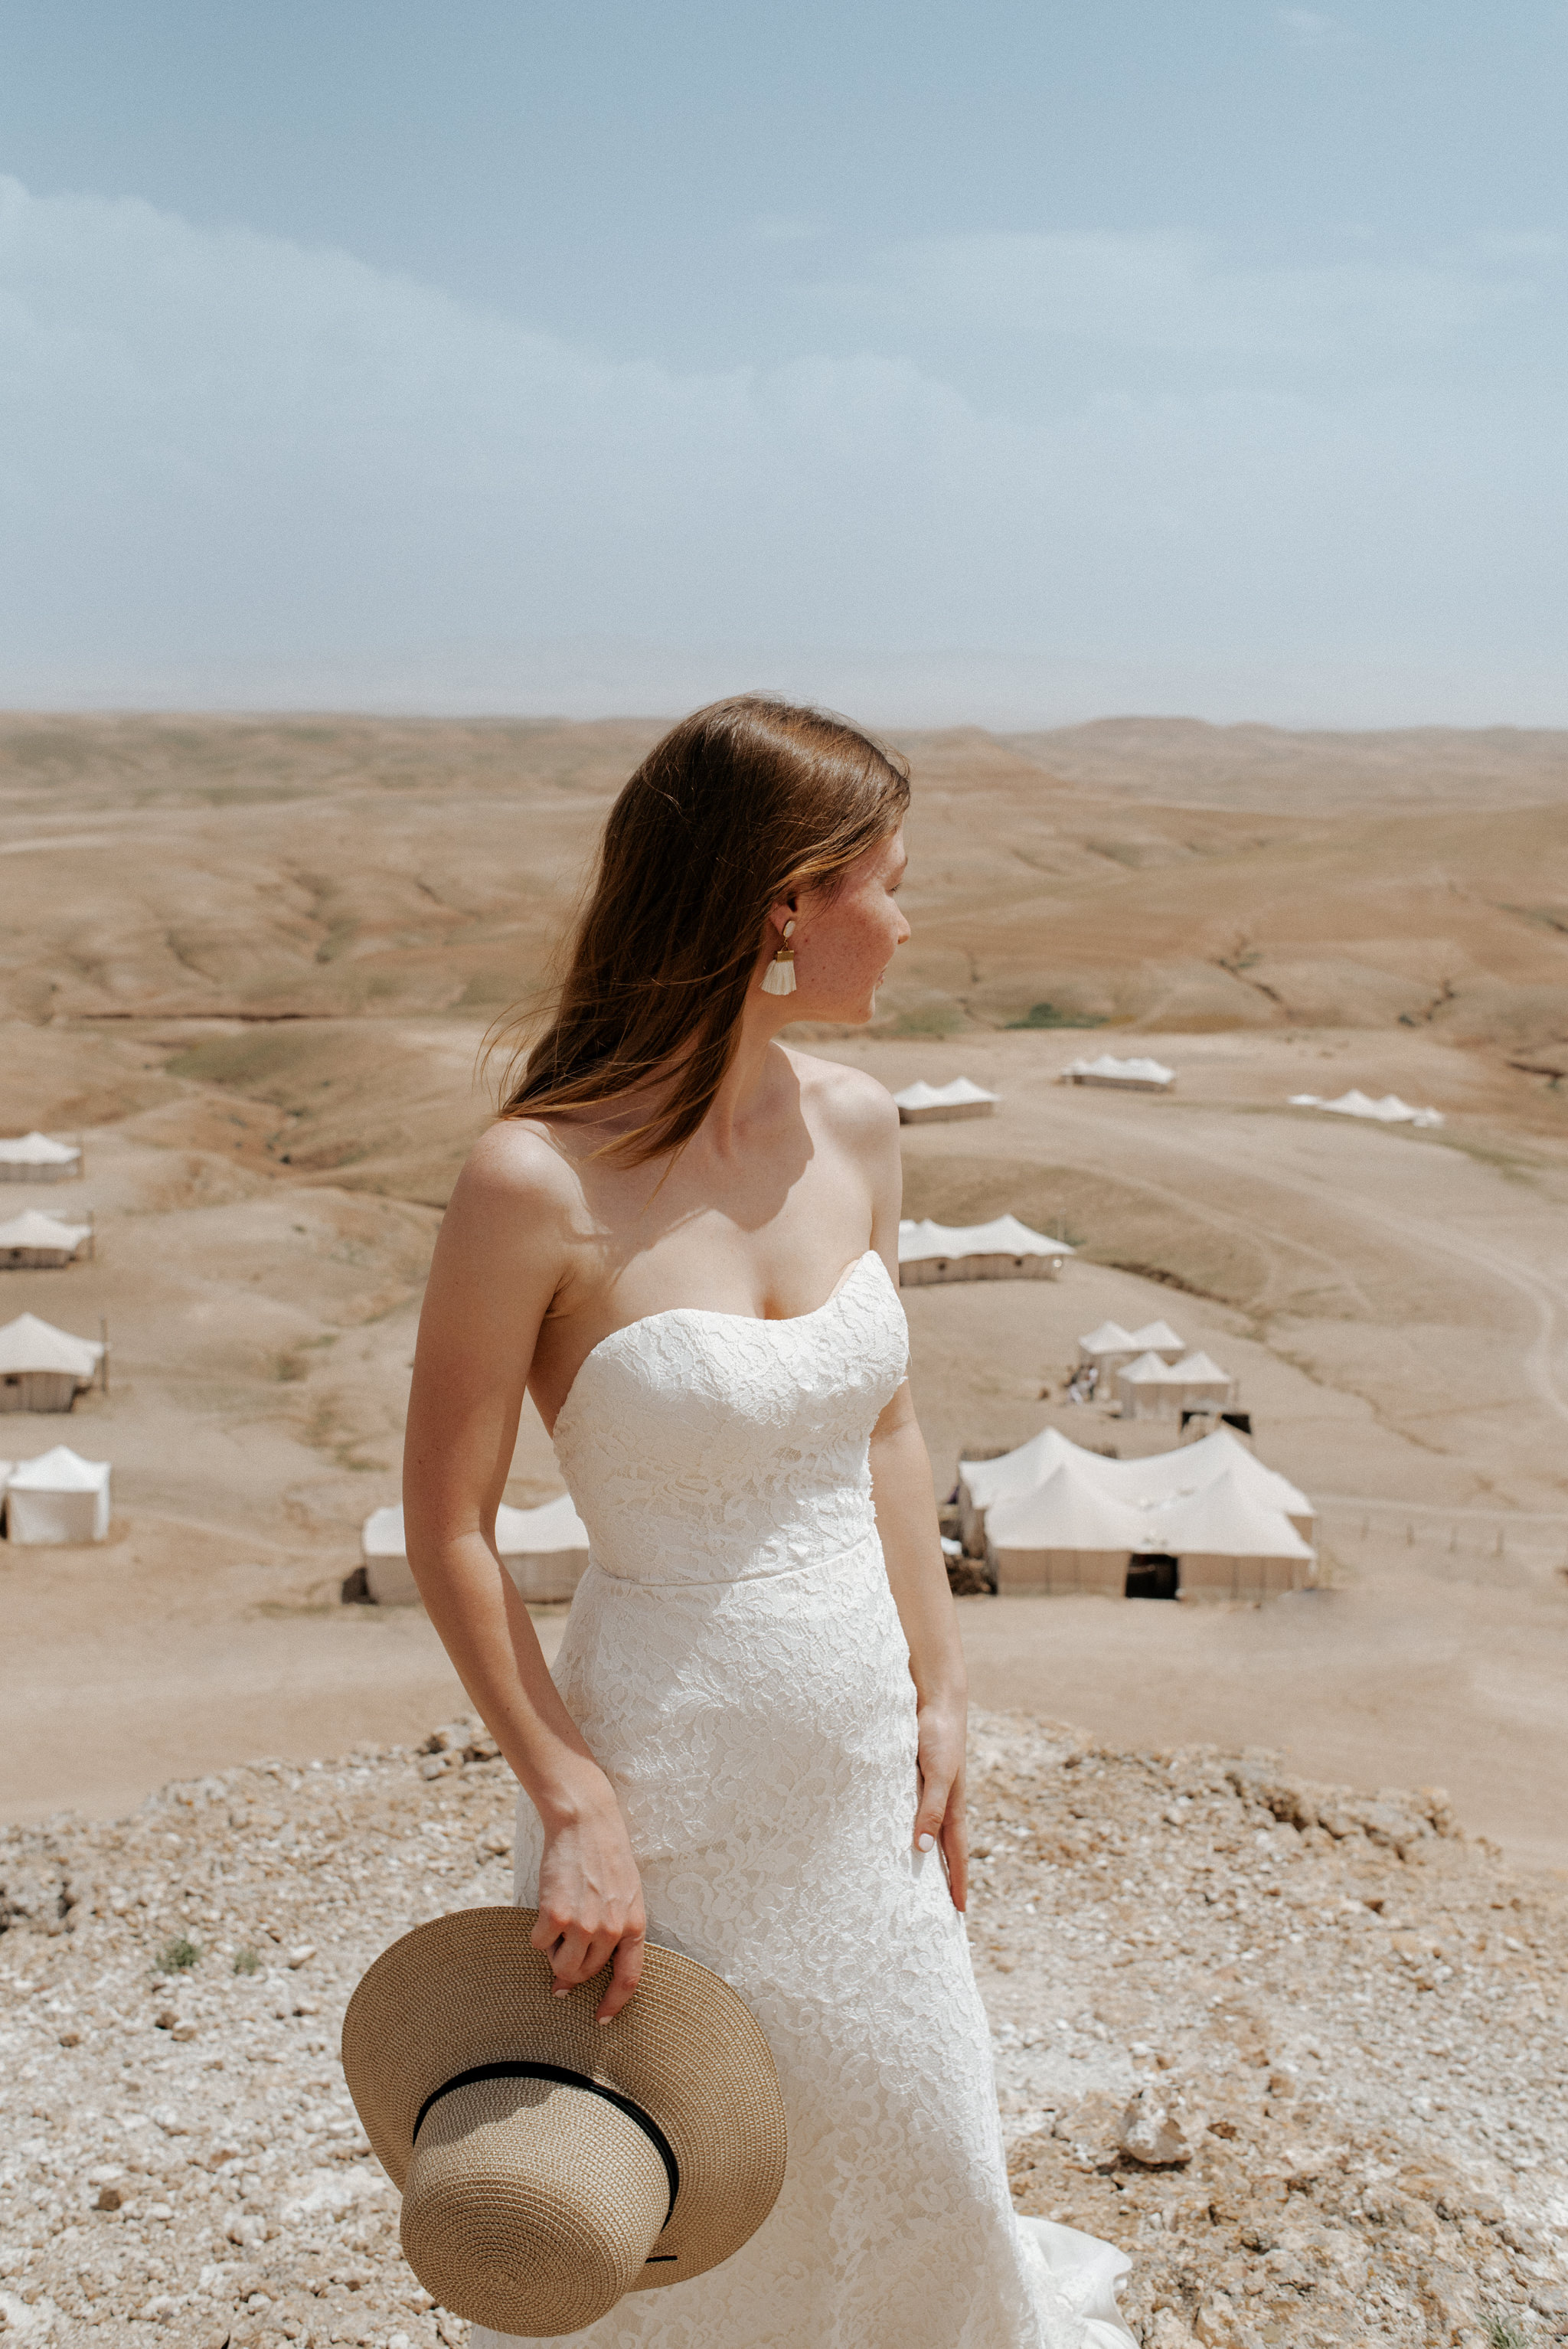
(736, 1662)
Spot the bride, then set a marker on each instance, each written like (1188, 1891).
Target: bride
(680, 1238)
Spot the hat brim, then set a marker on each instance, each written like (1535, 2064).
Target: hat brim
(470, 1989)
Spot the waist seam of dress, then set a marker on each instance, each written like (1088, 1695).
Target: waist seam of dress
(731, 1581)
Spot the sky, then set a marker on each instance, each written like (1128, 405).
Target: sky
(994, 363)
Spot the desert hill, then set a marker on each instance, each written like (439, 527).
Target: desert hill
(1271, 769)
(271, 870)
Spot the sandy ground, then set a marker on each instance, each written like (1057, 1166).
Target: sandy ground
(1393, 1307)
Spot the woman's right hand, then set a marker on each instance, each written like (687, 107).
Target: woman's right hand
(590, 1903)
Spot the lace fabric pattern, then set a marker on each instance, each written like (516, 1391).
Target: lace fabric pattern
(736, 1662)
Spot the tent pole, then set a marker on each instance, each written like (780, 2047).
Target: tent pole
(103, 1358)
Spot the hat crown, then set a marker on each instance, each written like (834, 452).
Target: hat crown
(531, 2189)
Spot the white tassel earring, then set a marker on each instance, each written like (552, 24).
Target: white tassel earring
(778, 978)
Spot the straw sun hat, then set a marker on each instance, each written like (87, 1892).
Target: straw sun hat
(548, 2163)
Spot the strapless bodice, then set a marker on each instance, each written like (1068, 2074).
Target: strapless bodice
(705, 1447)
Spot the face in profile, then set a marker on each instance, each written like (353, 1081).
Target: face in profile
(846, 937)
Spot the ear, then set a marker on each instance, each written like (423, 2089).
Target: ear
(784, 909)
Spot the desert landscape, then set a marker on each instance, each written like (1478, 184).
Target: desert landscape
(250, 967)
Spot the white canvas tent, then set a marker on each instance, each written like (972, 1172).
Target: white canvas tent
(1159, 1338)
(1068, 1534)
(1003, 1249)
(42, 1368)
(1230, 1544)
(59, 1497)
(1151, 1387)
(1389, 1110)
(1141, 1387)
(384, 1553)
(544, 1550)
(1137, 1075)
(1158, 1477)
(1201, 1381)
(923, 1104)
(35, 1158)
(1159, 1495)
(35, 1239)
(1109, 1347)
(982, 1483)
(1164, 1477)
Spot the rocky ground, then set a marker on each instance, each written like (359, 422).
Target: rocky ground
(1301, 2052)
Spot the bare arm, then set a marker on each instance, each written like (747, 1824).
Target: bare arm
(498, 1259)
(902, 1491)
(906, 1519)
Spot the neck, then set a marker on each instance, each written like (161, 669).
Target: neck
(745, 1081)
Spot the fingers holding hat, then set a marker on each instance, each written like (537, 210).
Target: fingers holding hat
(626, 1975)
(590, 1906)
(576, 1951)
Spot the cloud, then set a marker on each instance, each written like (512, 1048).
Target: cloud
(1308, 29)
(1180, 294)
(232, 469)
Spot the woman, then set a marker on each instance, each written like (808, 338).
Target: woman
(682, 1239)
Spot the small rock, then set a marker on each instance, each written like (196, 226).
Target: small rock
(302, 1956)
(1160, 2133)
(71, 2039)
(183, 2031)
(110, 2198)
(1166, 2330)
(452, 1736)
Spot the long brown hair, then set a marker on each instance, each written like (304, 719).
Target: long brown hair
(740, 803)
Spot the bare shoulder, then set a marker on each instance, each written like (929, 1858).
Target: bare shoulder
(517, 1170)
(853, 1103)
